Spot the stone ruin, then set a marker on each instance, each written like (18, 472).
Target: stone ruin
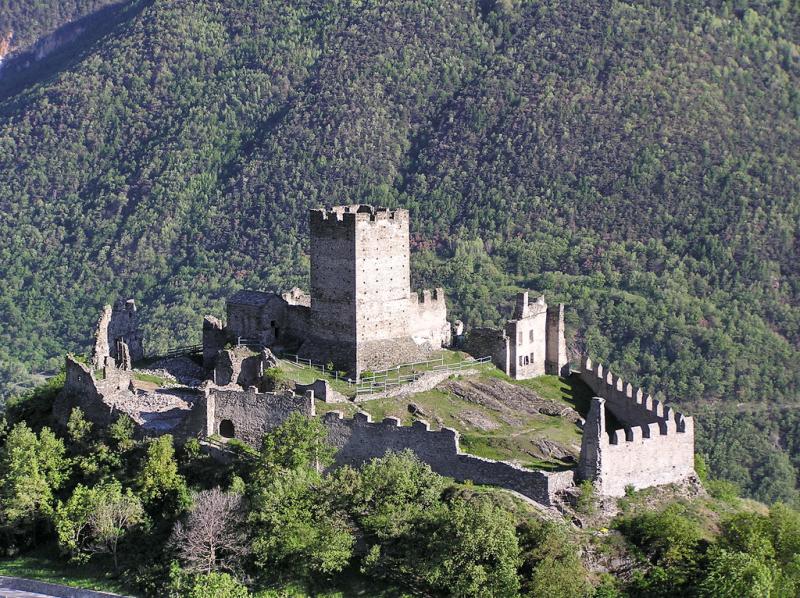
(117, 336)
(360, 313)
(531, 343)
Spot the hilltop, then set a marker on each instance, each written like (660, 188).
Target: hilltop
(638, 162)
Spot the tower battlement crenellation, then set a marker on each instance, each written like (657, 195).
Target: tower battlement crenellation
(356, 213)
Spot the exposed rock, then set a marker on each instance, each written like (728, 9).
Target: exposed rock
(508, 399)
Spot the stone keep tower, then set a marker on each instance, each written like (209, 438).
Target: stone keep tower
(360, 288)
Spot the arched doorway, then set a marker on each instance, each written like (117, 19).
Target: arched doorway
(226, 429)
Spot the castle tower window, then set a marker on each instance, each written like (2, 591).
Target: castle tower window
(526, 361)
(519, 341)
(520, 360)
(530, 336)
(531, 357)
(226, 429)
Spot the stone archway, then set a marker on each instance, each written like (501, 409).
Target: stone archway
(226, 429)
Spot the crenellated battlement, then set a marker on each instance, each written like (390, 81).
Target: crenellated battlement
(359, 439)
(429, 297)
(347, 215)
(632, 405)
(654, 446)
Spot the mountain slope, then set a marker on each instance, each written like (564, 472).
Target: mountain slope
(639, 162)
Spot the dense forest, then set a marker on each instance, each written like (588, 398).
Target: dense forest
(639, 161)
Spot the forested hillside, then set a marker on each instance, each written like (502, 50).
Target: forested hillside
(639, 161)
(23, 22)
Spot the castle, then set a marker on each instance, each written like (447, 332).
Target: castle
(361, 314)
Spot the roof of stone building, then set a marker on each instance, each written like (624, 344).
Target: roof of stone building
(255, 298)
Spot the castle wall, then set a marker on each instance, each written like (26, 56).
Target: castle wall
(480, 342)
(654, 447)
(360, 440)
(629, 404)
(428, 319)
(251, 413)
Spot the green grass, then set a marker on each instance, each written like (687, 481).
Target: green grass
(503, 441)
(157, 380)
(44, 564)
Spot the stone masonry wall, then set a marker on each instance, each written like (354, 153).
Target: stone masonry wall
(119, 322)
(528, 344)
(556, 362)
(428, 319)
(252, 413)
(629, 404)
(360, 440)
(655, 446)
(480, 342)
(333, 282)
(80, 390)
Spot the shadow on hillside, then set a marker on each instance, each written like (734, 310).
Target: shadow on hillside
(70, 44)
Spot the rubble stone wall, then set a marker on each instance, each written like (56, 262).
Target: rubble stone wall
(251, 413)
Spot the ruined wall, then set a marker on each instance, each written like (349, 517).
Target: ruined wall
(480, 342)
(214, 339)
(117, 323)
(428, 319)
(96, 398)
(251, 413)
(322, 391)
(244, 318)
(556, 362)
(360, 440)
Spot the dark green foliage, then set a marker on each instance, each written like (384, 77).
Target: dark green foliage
(671, 542)
(551, 565)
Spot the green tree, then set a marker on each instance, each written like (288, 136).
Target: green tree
(551, 565)
(96, 520)
(298, 442)
(31, 469)
(78, 428)
(158, 481)
(731, 574)
(294, 526)
(472, 551)
(216, 585)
